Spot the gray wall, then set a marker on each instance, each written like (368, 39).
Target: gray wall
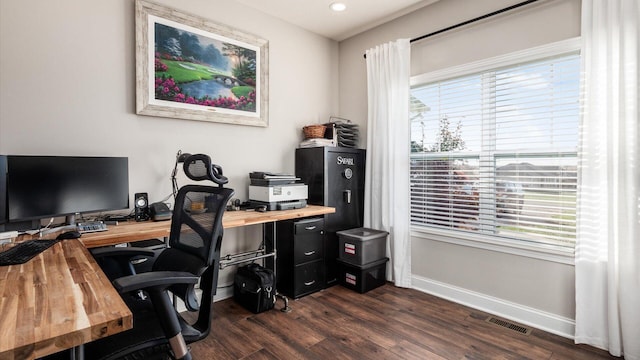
(67, 87)
(530, 289)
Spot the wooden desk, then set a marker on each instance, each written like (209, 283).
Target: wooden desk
(61, 298)
(126, 232)
(58, 300)
(134, 231)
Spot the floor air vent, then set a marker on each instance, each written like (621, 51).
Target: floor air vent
(509, 325)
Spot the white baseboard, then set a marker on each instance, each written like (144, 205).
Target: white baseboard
(545, 321)
(223, 293)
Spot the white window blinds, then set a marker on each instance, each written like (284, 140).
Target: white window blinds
(494, 152)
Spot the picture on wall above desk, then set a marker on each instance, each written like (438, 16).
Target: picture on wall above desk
(189, 67)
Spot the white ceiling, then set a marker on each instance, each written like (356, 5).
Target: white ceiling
(317, 17)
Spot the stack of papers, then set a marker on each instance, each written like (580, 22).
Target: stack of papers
(317, 142)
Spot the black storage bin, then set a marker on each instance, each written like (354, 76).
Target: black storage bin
(363, 278)
(361, 246)
(254, 288)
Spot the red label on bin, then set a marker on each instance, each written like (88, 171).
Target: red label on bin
(349, 248)
(350, 279)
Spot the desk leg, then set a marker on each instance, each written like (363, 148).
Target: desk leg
(77, 353)
(270, 246)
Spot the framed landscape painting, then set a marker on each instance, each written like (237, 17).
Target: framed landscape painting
(188, 67)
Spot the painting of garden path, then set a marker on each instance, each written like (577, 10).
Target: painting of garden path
(199, 70)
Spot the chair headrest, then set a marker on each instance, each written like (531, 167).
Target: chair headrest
(198, 167)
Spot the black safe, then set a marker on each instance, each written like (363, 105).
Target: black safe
(335, 177)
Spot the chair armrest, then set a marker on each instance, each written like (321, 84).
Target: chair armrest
(120, 252)
(116, 261)
(155, 280)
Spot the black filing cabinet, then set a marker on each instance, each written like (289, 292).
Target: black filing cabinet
(300, 255)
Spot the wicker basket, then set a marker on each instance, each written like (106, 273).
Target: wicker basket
(313, 131)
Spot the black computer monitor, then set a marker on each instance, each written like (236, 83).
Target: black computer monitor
(38, 187)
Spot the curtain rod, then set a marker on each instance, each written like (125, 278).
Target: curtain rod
(508, 8)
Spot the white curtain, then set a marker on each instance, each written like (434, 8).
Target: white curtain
(607, 260)
(387, 173)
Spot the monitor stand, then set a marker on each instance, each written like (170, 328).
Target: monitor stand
(70, 219)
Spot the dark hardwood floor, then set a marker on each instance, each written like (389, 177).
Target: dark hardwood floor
(384, 323)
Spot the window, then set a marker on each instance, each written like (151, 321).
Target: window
(494, 151)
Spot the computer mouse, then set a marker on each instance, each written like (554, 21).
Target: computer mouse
(73, 234)
(261, 208)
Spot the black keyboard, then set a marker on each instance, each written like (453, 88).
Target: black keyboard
(24, 251)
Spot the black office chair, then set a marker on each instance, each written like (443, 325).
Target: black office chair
(159, 331)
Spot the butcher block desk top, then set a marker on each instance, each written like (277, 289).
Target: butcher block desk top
(233, 219)
(57, 300)
(135, 231)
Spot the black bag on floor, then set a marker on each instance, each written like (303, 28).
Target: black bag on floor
(254, 287)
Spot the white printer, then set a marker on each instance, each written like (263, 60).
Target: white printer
(277, 191)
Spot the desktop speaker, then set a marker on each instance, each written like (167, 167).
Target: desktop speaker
(141, 207)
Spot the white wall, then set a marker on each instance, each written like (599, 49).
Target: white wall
(532, 290)
(67, 87)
